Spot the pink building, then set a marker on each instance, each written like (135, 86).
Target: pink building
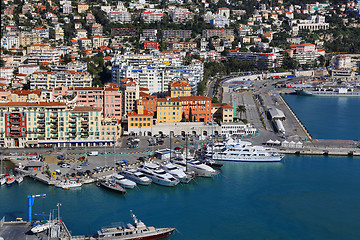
(306, 47)
(108, 98)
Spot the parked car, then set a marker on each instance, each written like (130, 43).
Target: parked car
(61, 157)
(78, 168)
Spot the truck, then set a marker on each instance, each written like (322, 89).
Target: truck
(93, 153)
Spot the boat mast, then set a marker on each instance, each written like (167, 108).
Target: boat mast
(186, 146)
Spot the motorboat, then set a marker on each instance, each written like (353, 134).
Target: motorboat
(177, 172)
(137, 230)
(3, 179)
(158, 175)
(199, 168)
(122, 181)
(19, 179)
(10, 180)
(248, 154)
(68, 184)
(137, 177)
(42, 227)
(111, 184)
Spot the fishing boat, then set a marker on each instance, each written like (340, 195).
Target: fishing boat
(136, 176)
(122, 181)
(10, 180)
(158, 175)
(68, 184)
(177, 172)
(112, 185)
(19, 179)
(138, 230)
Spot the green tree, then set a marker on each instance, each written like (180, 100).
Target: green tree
(190, 115)
(241, 109)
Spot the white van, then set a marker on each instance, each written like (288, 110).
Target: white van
(93, 153)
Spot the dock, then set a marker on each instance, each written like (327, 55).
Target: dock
(20, 230)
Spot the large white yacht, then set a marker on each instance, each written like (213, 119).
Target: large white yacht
(136, 176)
(248, 153)
(122, 181)
(68, 184)
(177, 172)
(158, 175)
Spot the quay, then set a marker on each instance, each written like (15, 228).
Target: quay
(20, 230)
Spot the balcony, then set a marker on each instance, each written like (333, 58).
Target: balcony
(12, 121)
(53, 132)
(54, 115)
(41, 121)
(72, 131)
(71, 120)
(41, 115)
(54, 126)
(84, 130)
(41, 125)
(41, 131)
(85, 117)
(72, 116)
(72, 126)
(54, 121)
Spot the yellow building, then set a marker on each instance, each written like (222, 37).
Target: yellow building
(169, 110)
(82, 7)
(222, 111)
(140, 122)
(179, 89)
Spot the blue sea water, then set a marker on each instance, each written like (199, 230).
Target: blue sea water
(303, 197)
(328, 117)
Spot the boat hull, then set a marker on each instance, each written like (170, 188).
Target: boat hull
(158, 234)
(251, 159)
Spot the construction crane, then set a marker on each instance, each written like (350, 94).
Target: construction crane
(31, 199)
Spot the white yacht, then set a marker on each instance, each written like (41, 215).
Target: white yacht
(199, 168)
(158, 175)
(68, 184)
(177, 172)
(3, 179)
(19, 179)
(248, 153)
(122, 181)
(137, 177)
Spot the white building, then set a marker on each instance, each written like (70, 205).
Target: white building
(234, 128)
(152, 15)
(220, 22)
(10, 41)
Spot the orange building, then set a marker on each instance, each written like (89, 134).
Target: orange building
(148, 101)
(200, 108)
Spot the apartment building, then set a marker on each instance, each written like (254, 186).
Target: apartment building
(152, 15)
(305, 54)
(197, 107)
(123, 32)
(49, 80)
(179, 88)
(119, 16)
(152, 45)
(181, 46)
(169, 110)
(148, 101)
(107, 98)
(82, 7)
(10, 41)
(222, 111)
(179, 15)
(43, 55)
(24, 124)
(140, 122)
(96, 29)
(130, 93)
(28, 38)
(155, 72)
(221, 33)
(177, 34)
(220, 22)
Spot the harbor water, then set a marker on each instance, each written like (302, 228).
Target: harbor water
(303, 197)
(328, 117)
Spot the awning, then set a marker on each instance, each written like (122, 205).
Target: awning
(32, 142)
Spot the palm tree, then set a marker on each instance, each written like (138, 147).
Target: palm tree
(241, 109)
